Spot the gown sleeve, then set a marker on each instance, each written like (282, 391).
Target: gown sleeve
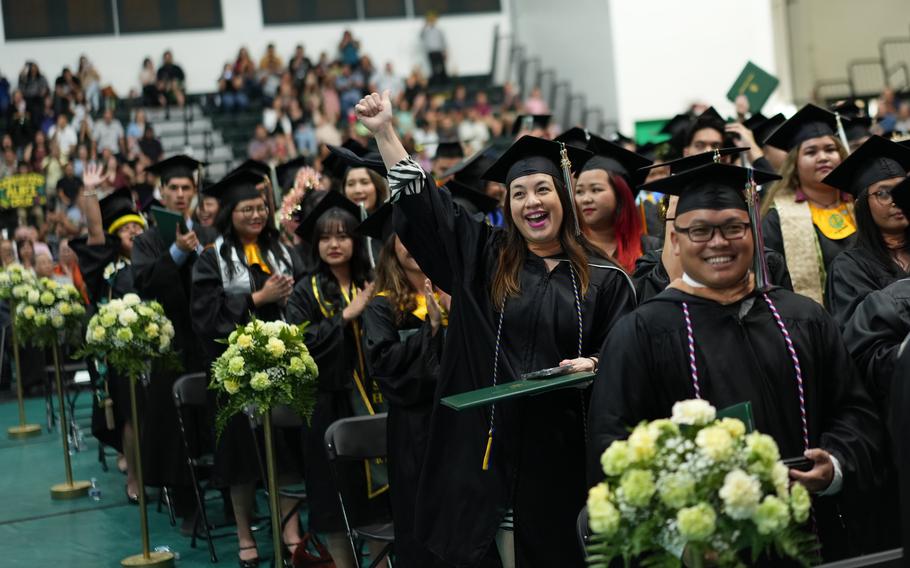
(93, 259)
(215, 313)
(615, 299)
(325, 337)
(771, 232)
(874, 335)
(649, 276)
(848, 283)
(441, 236)
(153, 269)
(778, 272)
(406, 370)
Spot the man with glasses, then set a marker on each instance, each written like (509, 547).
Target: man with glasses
(880, 254)
(712, 334)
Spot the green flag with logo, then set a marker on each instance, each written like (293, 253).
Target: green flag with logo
(756, 84)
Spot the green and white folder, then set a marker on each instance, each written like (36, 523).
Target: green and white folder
(515, 389)
(756, 84)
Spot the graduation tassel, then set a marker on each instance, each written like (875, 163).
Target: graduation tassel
(369, 240)
(567, 180)
(760, 264)
(841, 133)
(486, 454)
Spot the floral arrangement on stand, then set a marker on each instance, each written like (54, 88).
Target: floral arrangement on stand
(48, 313)
(15, 276)
(128, 334)
(695, 487)
(264, 365)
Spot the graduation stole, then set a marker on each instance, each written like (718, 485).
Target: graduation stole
(801, 247)
(420, 312)
(363, 403)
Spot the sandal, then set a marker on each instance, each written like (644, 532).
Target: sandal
(252, 562)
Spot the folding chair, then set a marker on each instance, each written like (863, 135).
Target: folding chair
(581, 528)
(190, 397)
(356, 439)
(284, 417)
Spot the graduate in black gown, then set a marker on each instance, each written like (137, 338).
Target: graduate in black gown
(741, 351)
(880, 254)
(804, 219)
(104, 261)
(403, 330)
(162, 270)
(900, 422)
(332, 298)
(552, 300)
(246, 272)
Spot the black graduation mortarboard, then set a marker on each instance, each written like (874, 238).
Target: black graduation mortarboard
(531, 155)
(904, 143)
(876, 160)
(858, 128)
(682, 164)
(236, 187)
(118, 209)
(614, 158)
(180, 165)
(712, 186)
(350, 160)
(474, 198)
(847, 108)
(677, 125)
(809, 122)
(755, 121)
(473, 167)
(575, 136)
(710, 118)
(762, 129)
(620, 138)
(331, 200)
(260, 168)
(449, 149)
(530, 122)
(379, 225)
(145, 194)
(287, 172)
(901, 195)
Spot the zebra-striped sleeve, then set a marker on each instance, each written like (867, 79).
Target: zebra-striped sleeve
(405, 177)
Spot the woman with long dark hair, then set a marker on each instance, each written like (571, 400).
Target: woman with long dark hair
(880, 255)
(332, 298)
(403, 336)
(245, 272)
(527, 297)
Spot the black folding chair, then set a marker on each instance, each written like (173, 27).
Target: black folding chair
(190, 397)
(886, 559)
(356, 439)
(581, 528)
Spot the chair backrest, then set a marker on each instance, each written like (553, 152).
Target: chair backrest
(581, 528)
(190, 390)
(361, 437)
(283, 416)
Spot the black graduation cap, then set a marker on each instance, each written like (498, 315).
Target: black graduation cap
(901, 195)
(180, 165)
(809, 122)
(677, 125)
(449, 149)
(575, 136)
(710, 118)
(236, 187)
(847, 108)
(682, 164)
(379, 225)
(350, 159)
(260, 168)
(904, 143)
(530, 155)
(711, 186)
(118, 209)
(858, 128)
(470, 197)
(530, 122)
(876, 160)
(473, 167)
(763, 127)
(614, 158)
(620, 138)
(331, 200)
(145, 194)
(287, 172)
(754, 121)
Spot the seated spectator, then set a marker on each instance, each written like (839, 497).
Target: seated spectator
(150, 148)
(114, 175)
(68, 218)
(148, 78)
(473, 131)
(134, 132)
(299, 66)
(25, 246)
(302, 129)
(4, 93)
(270, 68)
(902, 126)
(80, 111)
(350, 86)
(232, 89)
(36, 152)
(260, 147)
(91, 82)
(64, 135)
(67, 269)
(19, 121)
(9, 164)
(349, 49)
(47, 117)
(275, 120)
(170, 79)
(459, 100)
(52, 166)
(109, 135)
(7, 252)
(44, 265)
(482, 104)
(535, 104)
(34, 88)
(387, 80)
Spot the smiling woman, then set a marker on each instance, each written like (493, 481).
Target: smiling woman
(531, 295)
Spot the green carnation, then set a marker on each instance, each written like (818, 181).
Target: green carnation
(696, 523)
(762, 448)
(603, 517)
(124, 334)
(637, 487)
(260, 381)
(800, 503)
(676, 489)
(235, 365)
(616, 458)
(771, 516)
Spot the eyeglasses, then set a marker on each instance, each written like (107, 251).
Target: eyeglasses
(883, 196)
(249, 211)
(704, 233)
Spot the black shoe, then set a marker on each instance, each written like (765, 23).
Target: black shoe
(132, 499)
(252, 563)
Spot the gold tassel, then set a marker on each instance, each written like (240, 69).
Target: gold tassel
(486, 454)
(109, 413)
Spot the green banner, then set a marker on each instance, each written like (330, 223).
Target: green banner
(756, 84)
(22, 190)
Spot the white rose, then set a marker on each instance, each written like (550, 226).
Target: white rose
(741, 494)
(127, 317)
(33, 296)
(693, 412)
(131, 299)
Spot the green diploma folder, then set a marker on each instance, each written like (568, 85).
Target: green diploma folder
(515, 389)
(167, 222)
(756, 84)
(743, 411)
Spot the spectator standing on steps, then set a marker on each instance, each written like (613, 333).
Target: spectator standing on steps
(170, 79)
(434, 44)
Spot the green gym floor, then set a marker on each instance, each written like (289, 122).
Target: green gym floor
(38, 531)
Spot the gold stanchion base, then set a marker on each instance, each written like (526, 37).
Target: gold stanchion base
(23, 431)
(165, 559)
(67, 491)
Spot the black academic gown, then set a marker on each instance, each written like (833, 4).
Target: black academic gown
(650, 276)
(536, 464)
(775, 240)
(93, 260)
(157, 277)
(333, 345)
(741, 356)
(404, 359)
(215, 314)
(900, 422)
(852, 276)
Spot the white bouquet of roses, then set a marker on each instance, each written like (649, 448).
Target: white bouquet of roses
(265, 364)
(48, 313)
(129, 333)
(15, 278)
(697, 484)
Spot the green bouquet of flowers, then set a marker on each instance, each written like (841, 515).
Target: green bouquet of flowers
(129, 333)
(696, 487)
(264, 365)
(15, 277)
(48, 313)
